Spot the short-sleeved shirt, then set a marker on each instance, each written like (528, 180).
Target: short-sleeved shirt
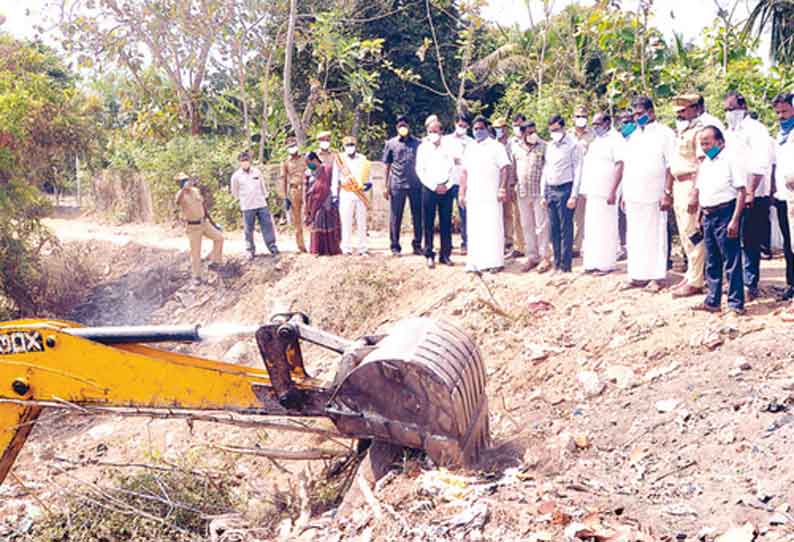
(190, 203)
(294, 169)
(400, 154)
(529, 161)
(687, 144)
(649, 152)
(249, 188)
(458, 145)
(720, 179)
(326, 157)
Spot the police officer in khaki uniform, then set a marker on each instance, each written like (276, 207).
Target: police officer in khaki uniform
(325, 152)
(191, 205)
(514, 235)
(684, 168)
(292, 180)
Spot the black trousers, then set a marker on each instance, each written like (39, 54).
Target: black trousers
(755, 224)
(560, 224)
(782, 219)
(433, 202)
(397, 199)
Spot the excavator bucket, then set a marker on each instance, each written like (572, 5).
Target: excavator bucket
(422, 386)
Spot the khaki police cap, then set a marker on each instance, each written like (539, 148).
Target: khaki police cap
(324, 133)
(683, 101)
(348, 140)
(499, 122)
(580, 111)
(181, 176)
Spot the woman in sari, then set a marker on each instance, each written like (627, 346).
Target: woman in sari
(322, 216)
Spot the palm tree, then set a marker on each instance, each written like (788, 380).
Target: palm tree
(779, 15)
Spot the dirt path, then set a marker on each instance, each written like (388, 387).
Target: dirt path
(621, 409)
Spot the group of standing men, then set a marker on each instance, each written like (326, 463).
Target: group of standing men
(603, 188)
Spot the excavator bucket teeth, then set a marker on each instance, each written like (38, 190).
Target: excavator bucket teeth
(423, 386)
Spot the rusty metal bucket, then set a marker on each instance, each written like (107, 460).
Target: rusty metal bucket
(422, 386)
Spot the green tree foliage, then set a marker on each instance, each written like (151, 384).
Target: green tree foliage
(777, 16)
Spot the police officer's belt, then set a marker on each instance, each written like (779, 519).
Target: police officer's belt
(194, 222)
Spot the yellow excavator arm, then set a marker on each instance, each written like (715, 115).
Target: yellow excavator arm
(421, 386)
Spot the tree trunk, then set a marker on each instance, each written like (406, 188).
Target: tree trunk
(289, 104)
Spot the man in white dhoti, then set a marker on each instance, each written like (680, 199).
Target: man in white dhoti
(648, 194)
(483, 189)
(350, 183)
(601, 174)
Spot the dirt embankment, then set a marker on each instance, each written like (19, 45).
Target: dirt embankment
(613, 413)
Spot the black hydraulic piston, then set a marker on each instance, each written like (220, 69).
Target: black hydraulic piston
(137, 334)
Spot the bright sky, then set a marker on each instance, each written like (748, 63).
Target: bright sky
(686, 16)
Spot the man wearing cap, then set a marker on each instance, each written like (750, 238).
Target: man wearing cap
(514, 240)
(399, 155)
(350, 183)
(324, 151)
(248, 187)
(191, 206)
(292, 179)
(583, 136)
(684, 168)
(757, 148)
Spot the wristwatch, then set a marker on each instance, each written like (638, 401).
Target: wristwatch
(668, 192)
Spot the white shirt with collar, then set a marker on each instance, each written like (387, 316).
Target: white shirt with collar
(563, 164)
(648, 154)
(435, 164)
(249, 188)
(354, 163)
(759, 153)
(784, 166)
(719, 179)
(598, 171)
(457, 145)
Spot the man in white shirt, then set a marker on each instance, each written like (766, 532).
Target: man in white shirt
(350, 182)
(784, 179)
(601, 173)
(719, 191)
(648, 195)
(457, 142)
(248, 187)
(434, 164)
(707, 118)
(562, 177)
(483, 189)
(754, 138)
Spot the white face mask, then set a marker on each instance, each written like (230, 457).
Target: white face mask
(461, 130)
(532, 138)
(517, 131)
(434, 137)
(557, 136)
(735, 117)
(681, 125)
(350, 149)
(580, 122)
(292, 150)
(325, 145)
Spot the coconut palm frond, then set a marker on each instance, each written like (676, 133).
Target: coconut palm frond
(486, 64)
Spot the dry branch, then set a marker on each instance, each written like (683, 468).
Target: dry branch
(311, 454)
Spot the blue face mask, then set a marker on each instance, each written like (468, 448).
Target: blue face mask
(480, 134)
(787, 125)
(312, 166)
(713, 152)
(627, 129)
(643, 120)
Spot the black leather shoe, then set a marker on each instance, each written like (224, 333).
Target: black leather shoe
(418, 251)
(787, 295)
(446, 261)
(431, 263)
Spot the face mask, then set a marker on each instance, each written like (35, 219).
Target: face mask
(532, 138)
(403, 131)
(480, 134)
(734, 118)
(681, 125)
(499, 132)
(517, 131)
(434, 137)
(644, 120)
(580, 122)
(312, 166)
(627, 129)
(461, 130)
(325, 145)
(350, 149)
(557, 136)
(292, 150)
(601, 131)
(712, 152)
(182, 183)
(787, 125)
